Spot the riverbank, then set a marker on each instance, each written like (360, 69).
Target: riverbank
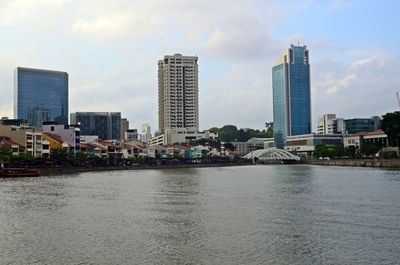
(380, 163)
(51, 171)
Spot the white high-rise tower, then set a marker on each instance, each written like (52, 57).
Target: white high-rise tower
(178, 90)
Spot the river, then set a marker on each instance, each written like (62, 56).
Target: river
(273, 214)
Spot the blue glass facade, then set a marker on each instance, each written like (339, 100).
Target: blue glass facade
(359, 125)
(279, 104)
(291, 95)
(106, 125)
(300, 98)
(40, 95)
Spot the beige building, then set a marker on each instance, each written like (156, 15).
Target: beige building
(178, 90)
(30, 139)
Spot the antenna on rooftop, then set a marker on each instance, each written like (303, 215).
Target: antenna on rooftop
(398, 98)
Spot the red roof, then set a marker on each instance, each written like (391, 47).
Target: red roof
(6, 141)
(366, 133)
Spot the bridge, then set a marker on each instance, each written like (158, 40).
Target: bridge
(271, 154)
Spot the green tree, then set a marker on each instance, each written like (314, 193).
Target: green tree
(229, 146)
(321, 150)
(5, 155)
(339, 151)
(351, 151)
(368, 149)
(59, 153)
(391, 126)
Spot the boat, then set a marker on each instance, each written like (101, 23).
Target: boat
(18, 172)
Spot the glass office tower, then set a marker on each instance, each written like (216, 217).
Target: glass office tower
(291, 94)
(106, 125)
(40, 95)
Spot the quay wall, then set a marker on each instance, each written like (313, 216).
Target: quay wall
(382, 163)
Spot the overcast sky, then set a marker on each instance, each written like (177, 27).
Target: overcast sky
(110, 50)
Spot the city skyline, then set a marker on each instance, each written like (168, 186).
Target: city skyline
(112, 61)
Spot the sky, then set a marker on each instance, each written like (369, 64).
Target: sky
(110, 50)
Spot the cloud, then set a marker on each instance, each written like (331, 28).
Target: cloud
(361, 87)
(17, 11)
(110, 50)
(118, 25)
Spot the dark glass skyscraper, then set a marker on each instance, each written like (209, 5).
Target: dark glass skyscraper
(291, 94)
(40, 95)
(106, 125)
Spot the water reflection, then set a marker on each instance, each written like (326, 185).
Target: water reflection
(177, 216)
(236, 215)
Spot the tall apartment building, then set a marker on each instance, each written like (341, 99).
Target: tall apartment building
(40, 95)
(291, 95)
(106, 125)
(178, 90)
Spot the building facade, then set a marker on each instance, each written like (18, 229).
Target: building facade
(40, 95)
(145, 134)
(329, 124)
(362, 124)
(124, 128)
(68, 133)
(178, 102)
(304, 145)
(291, 95)
(131, 135)
(30, 139)
(106, 125)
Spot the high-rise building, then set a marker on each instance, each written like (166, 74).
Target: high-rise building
(291, 94)
(178, 102)
(124, 127)
(40, 95)
(106, 125)
(145, 134)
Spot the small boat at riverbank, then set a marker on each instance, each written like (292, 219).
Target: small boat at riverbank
(18, 172)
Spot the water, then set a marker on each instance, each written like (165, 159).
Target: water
(295, 214)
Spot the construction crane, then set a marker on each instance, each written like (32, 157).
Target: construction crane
(398, 98)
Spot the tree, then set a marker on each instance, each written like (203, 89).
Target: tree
(230, 133)
(229, 146)
(5, 155)
(391, 126)
(368, 149)
(59, 153)
(351, 151)
(321, 150)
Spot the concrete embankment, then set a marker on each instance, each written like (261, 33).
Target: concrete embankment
(52, 171)
(383, 163)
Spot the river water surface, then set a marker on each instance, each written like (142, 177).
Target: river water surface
(294, 214)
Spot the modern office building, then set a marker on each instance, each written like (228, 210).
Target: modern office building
(362, 124)
(304, 145)
(291, 94)
(329, 124)
(40, 95)
(178, 101)
(106, 125)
